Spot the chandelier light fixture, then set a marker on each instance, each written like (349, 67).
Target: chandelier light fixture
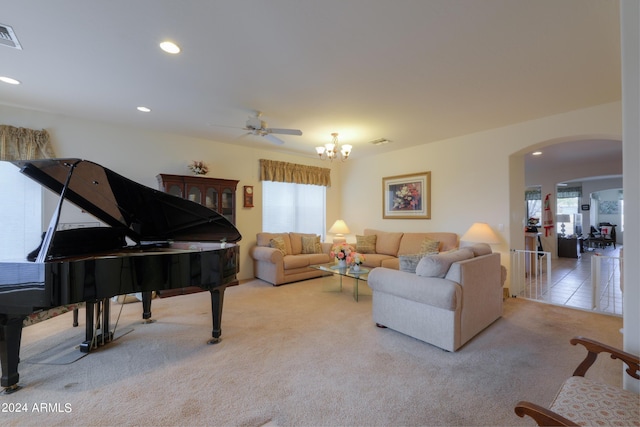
(334, 149)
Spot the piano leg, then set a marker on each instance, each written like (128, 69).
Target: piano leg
(85, 347)
(146, 307)
(217, 298)
(10, 337)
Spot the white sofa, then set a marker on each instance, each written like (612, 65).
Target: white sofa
(449, 299)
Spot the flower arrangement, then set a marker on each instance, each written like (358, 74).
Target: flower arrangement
(345, 252)
(356, 258)
(198, 167)
(407, 197)
(341, 251)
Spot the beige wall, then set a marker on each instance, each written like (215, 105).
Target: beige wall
(475, 178)
(141, 155)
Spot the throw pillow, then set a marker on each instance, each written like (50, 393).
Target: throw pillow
(278, 243)
(429, 246)
(409, 263)
(438, 265)
(366, 244)
(311, 245)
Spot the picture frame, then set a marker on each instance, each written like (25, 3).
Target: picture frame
(585, 207)
(407, 196)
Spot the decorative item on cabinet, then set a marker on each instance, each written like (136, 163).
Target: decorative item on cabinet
(215, 193)
(248, 196)
(198, 167)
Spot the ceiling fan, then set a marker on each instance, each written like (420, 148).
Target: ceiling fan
(257, 126)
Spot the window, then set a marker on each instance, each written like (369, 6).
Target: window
(293, 207)
(21, 213)
(568, 202)
(533, 197)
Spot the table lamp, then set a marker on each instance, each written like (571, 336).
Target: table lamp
(339, 228)
(562, 218)
(480, 232)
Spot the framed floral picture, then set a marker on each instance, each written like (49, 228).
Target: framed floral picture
(407, 196)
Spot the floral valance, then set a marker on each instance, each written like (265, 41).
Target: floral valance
(24, 144)
(273, 170)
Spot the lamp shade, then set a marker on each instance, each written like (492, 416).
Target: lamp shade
(563, 218)
(339, 228)
(480, 232)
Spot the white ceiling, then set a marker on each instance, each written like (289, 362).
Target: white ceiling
(411, 71)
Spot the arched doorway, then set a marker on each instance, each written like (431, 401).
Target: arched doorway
(583, 162)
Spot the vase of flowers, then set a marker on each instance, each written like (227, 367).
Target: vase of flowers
(342, 253)
(356, 259)
(198, 167)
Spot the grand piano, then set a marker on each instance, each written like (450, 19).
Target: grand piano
(152, 241)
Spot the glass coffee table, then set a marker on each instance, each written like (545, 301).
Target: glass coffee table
(332, 268)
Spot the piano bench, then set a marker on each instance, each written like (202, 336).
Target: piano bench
(41, 315)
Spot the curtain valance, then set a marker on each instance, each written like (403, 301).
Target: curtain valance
(24, 144)
(533, 194)
(567, 192)
(273, 170)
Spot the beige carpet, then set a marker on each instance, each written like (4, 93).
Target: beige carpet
(298, 355)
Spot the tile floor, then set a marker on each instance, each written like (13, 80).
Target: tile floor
(570, 282)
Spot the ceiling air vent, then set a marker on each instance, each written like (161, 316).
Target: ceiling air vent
(8, 37)
(380, 141)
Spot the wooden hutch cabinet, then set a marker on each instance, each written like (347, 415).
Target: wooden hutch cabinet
(214, 193)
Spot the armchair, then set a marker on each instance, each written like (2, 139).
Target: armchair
(581, 401)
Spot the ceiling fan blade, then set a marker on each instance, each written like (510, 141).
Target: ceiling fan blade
(284, 131)
(274, 139)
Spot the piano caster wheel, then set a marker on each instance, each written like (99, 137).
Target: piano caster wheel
(214, 341)
(12, 389)
(147, 321)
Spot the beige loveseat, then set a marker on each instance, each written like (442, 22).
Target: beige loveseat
(280, 265)
(389, 246)
(448, 300)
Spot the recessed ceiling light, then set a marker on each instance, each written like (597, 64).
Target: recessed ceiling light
(170, 47)
(536, 153)
(9, 80)
(144, 109)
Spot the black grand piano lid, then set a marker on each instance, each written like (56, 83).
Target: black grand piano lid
(146, 214)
